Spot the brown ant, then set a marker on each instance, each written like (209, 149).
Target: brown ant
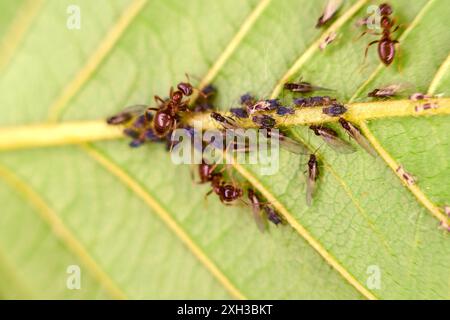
(227, 193)
(386, 46)
(167, 114)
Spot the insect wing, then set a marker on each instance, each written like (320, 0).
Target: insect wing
(361, 140)
(127, 114)
(336, 143)
(311, 183)
(289, 144)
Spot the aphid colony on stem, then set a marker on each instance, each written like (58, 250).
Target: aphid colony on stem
(156, 124)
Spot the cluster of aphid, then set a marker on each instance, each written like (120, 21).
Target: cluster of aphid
(149, 124)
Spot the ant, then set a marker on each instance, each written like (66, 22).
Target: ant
(167, 114)
(386, 46)
(227, 193)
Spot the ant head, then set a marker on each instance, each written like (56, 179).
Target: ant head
(385, 9)
(185, 88)
(177, 96)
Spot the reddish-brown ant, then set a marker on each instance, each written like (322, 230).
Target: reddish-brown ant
(167, 114)
(227, 193)
(386, 46)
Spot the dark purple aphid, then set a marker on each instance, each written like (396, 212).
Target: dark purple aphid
(314, 101)
(332, 139)
(239, 112)
(272, 215)
(335, 110)
(354, 132)
(282, 111)
(247, 99)
(313, 175)
(264, 121)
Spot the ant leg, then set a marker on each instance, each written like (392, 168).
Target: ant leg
(159, 99)
(367, 49)
(367, 32)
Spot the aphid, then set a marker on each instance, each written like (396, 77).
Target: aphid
(247, 100)
(282, 111)
(205, 99)
(256, 205)
(332, 139)
(239, 112)
(419, 96)
(314, 101)
(303, 87)
(272, 215)
(407, 177)
(356, 134)
(287, 143)
(328, 40)
(313, 175)
(335, 110)
(386, 46)
(226, 122)
(264, 121)
(126, 115)
(426, 106)
(329, 12)
(386, 92)
(263, 105)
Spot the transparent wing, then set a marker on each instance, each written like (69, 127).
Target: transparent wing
(310, 188)
(127, 114)
(289, 144)
(361, 140)
(337, 143)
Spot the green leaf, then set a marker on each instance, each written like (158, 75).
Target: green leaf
(139, 227)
